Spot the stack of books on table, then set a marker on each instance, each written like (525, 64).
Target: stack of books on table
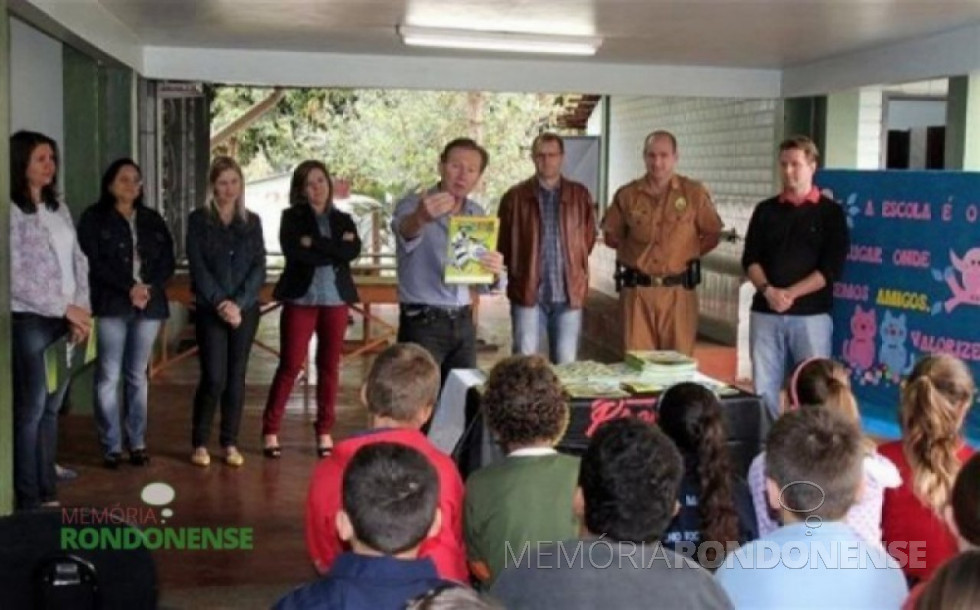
(660, 367)
(587, 378)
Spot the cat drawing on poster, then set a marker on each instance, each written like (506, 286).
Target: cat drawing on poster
(893, 353)
(859, 350)
(967, 290)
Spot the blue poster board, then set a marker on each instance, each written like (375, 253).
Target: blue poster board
(911, 284)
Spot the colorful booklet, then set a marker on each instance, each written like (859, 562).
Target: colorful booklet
(63, 359)
(470, 237)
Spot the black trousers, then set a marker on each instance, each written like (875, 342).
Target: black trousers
(223, 355)
(450, 340)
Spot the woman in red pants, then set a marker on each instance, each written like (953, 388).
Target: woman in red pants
(319, 242)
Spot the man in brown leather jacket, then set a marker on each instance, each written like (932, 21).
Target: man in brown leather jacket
(661, 224)
(547, 230)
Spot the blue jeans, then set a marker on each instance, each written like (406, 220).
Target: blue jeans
(563, 324)
(124, 345)
(777, 343)
(35, 411)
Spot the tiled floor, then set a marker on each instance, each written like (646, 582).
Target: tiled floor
(266, 495)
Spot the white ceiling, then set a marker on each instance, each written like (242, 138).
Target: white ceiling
(767, 34)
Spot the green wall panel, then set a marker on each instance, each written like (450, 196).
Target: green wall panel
(81, 162)
(116, 109)
(99, 107)
(6, 406)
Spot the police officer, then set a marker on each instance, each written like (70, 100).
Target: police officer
(660, 224)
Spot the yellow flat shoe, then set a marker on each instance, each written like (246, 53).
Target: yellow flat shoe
(233, 457)
(200, 457)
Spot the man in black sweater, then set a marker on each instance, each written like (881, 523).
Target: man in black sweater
(795, 249)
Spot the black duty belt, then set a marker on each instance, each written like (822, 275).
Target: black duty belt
(632, 278)
(419, 311)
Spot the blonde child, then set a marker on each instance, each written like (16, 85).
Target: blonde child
(815, 382)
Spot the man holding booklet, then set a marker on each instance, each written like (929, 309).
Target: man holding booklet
(444, 244)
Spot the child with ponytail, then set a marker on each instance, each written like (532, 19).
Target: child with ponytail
(715, 506)
(935, 400)
(824, 382)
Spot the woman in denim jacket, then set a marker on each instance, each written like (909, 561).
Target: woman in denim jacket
(131, 257)
(227, 262)
(49, 298)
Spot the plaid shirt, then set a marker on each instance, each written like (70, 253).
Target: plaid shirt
(551, 289)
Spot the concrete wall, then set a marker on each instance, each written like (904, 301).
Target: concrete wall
(36, 89)
(6, 399)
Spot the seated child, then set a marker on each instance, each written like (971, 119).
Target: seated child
(955, 585)
(627, 495)
(400, 392)
(935, 400)
(390, 499)
(815, 560)
(962, 514)
(823, 382)
(527, 497)
(715, 505)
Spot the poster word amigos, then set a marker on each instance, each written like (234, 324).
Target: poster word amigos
(911, 284)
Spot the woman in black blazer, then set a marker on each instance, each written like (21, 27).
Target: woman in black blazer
(130, 256)
(319, 242)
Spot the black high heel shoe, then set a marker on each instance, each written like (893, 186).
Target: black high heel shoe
(270, 446)
(322, 448)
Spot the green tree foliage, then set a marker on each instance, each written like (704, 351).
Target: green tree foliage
(385, 142)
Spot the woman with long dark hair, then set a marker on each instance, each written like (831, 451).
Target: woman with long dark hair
(319, 242)
(49, 298)
(715, 505)
(226, 254)
(131, 257)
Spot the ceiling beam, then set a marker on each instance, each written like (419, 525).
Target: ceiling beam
(305, 69)
(941, 55)
(85, 25)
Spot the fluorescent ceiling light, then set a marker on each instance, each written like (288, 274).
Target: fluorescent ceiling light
(499, 41)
